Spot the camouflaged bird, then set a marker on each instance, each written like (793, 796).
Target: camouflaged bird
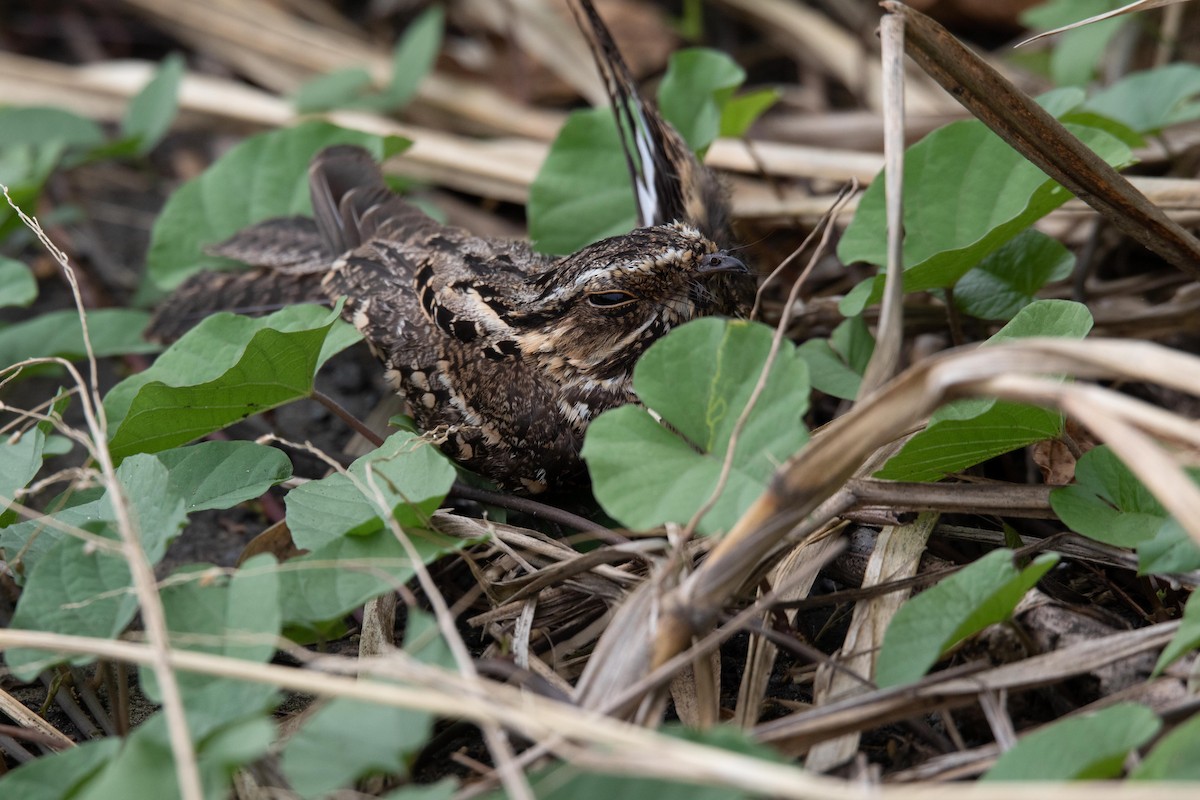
(503, 354)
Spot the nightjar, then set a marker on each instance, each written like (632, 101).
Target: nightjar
(503, 354)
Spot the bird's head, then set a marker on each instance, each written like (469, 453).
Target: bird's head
(593, 313)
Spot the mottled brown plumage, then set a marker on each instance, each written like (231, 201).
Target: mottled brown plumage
(503, 354)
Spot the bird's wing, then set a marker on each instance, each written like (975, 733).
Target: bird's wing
(670, 184)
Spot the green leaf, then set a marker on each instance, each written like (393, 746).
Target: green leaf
(969, 432)
(17, 285)
(75, 589)
(229, 731)
(742, 111)
(582, 192)
(53, 777)
(1107, 502)
(20, 460)
(236, 617)
(1063, 101)
(951, 445)
(1187, 638)
(338, 89)
(1151, 100)
(321, 757)
(222, 371)
(1076, 52)
(221, 703)
(829, 373)
(33, 142)
(1170, 550)
(836, 365)
(570, 783)
(336, 578)
(204, 476)
(410, 472)
(58, 446)
(1176, 756)
(1010, 278)
(423, 640)
(929, 624)
(412, 59)
(442, 790)
(224, 473)
(414, 56)
(853, 342)
(52, 128)
(966, 193)
(1075, 58)
(152, 110)
(698, 378)
(113, 331)
(1086, 747)
(212, 347)
(145, 767)
(1118, 129)
(265, 176)
(230, 749)
(25, 543)
(697, 85)
(1063, 318)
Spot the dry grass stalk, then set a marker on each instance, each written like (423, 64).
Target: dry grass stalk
(896, 556)
(126, 523)
(544, 30)
(814, 37)
(499, 168)
(17, 711)
(797, 733)
(282, 50)
(794, 577)
(595, 741)
(822, 468)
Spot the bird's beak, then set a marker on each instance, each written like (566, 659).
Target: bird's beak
(721, 262)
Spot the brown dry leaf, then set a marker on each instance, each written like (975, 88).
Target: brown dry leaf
(276, 540)
(795, 577)
(896, 557)
(1055, 460)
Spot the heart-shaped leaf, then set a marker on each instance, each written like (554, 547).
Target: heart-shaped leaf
(698, 380)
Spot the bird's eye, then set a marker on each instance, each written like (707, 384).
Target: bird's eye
(610, 299)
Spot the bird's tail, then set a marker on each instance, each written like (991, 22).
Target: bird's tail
(256, 292)
(289, 256)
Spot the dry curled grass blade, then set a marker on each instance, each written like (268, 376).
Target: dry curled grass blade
(794, 577)
(821, 470)
(896, 556)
